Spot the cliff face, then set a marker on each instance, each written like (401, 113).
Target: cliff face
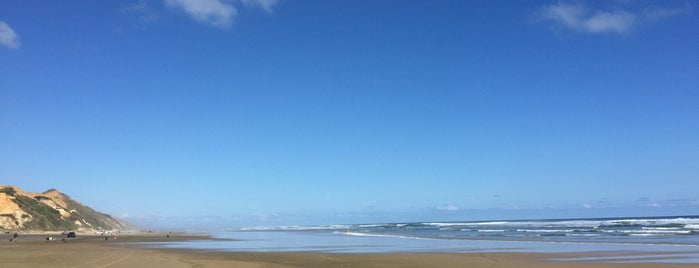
(51, 211)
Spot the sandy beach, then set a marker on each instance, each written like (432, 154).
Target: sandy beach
(32, 250)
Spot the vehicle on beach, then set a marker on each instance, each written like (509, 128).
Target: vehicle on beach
(105, 232)
(68, 234)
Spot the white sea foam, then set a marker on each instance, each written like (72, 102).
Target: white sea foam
(445, 224)
(651, 232)
(690, 223)
(582, 235)
(661, 228)
(448, 224)
(546, 230)
(382, 235)
(491, 223)
(605, 222)
(647, 223)
(567, 230)
(654, 222)
(371, 225)
(295, 228)
(646, 234)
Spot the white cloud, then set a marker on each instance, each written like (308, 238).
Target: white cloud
(611, 19)
(653, 205)
(217, 13)
(586, 205)
(447, 208)
(580, 18)
(619, 21)
(8, 37)
(267, 5)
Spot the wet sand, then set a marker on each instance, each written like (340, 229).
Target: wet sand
(93, 251)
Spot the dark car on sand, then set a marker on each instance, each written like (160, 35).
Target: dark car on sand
(69, 234)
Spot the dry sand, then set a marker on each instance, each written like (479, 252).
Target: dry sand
(94, 251)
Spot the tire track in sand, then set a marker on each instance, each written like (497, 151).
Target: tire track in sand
(63, 264)
(95, 260)
(118, 260)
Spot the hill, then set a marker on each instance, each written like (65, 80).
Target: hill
(51, 211)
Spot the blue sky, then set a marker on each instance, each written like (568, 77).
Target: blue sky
(264, 112)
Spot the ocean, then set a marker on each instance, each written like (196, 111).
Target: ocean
(677, 235)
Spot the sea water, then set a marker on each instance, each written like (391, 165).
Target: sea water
(678, 236)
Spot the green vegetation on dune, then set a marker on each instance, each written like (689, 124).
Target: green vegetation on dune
(43, 216)
(36, 214)
(9, 191)
(98, 220)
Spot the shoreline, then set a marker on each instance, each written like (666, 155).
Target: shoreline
(32, 250)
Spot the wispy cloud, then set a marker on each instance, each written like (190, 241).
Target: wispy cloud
(141, 10)
(217, 13)
(140, 6)
(8, 37)
(267, 5)
(447, 207)
(655, 12)
(676, 202)
(583, 19)
(615, 19)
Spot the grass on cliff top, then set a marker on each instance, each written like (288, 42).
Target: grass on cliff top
(9, 191)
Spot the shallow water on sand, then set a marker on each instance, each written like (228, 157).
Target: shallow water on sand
(675, 237)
